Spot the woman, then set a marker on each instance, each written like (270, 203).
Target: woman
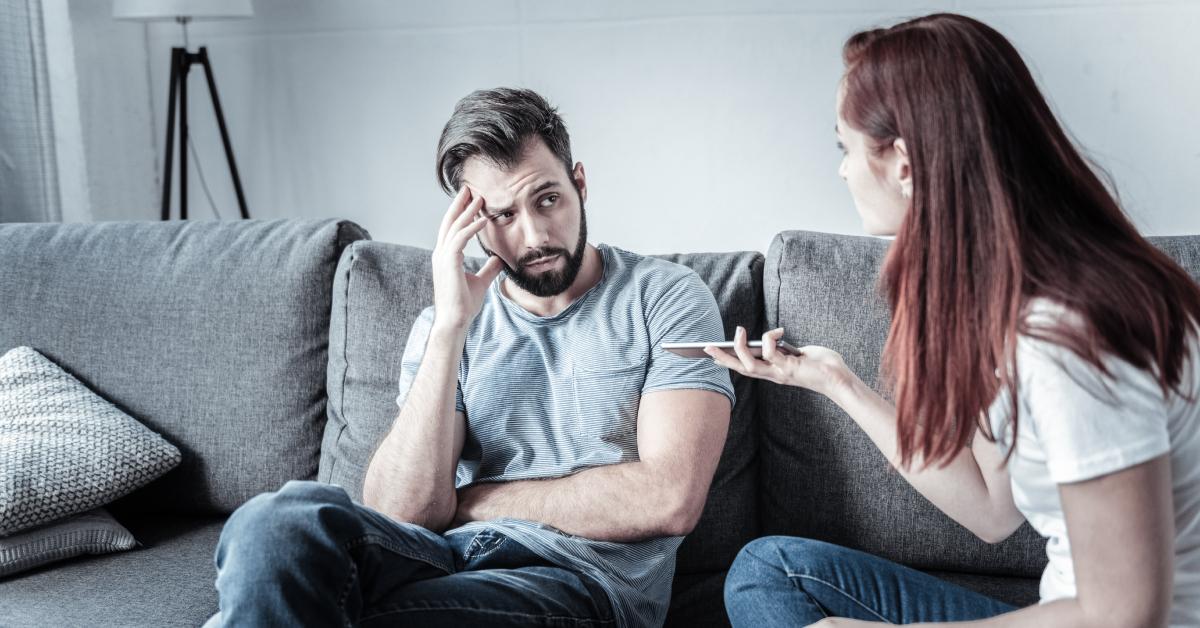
(1026, 309)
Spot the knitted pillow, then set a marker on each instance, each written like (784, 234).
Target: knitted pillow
(63, 449)
(94, 532)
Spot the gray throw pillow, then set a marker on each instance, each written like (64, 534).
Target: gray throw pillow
(63, 449)
(94, 532)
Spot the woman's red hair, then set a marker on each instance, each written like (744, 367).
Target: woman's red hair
(1004, 209)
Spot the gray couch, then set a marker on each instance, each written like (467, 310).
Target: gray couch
(270, 350)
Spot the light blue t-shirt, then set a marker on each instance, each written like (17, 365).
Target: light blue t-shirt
(546, 397)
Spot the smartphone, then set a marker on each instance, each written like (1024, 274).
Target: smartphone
(696, 349)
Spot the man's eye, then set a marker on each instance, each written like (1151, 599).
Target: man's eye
(841, 147)
(549, 200)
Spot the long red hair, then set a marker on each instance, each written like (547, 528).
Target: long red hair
(1004, 209)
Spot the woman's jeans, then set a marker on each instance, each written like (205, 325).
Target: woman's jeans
(788, 581)
(307, 555)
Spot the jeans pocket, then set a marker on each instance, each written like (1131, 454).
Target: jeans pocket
(482, 544)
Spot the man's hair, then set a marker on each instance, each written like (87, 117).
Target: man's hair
(495, 124)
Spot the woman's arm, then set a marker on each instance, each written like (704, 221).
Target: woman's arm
(973, 488)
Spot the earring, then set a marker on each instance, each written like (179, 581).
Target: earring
(906, 192)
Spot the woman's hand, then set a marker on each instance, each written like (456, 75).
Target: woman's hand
(816, 368)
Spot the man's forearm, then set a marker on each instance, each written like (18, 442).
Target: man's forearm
(411, 475)
(625, 502)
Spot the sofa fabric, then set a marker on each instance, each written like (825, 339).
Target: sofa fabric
(820, 476)
(381, 288)
(166, 583)
(63, 449)
(212, 334)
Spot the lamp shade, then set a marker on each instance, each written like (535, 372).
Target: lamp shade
(153, 10)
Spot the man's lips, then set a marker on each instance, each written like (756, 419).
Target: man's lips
(541, 262)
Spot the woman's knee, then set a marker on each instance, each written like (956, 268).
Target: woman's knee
(784, 557)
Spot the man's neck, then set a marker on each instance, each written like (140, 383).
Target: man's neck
(589, 275)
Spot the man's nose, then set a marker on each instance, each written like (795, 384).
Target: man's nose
(534, 229)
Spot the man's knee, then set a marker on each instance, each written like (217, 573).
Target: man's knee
(286, 521)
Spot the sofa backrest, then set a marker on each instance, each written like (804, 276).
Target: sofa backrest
(214, 334)
(821, 477)
(381, 288)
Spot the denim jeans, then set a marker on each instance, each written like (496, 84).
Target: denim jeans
(789, 581)
(307, 555)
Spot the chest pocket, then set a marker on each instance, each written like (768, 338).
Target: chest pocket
(607, 401)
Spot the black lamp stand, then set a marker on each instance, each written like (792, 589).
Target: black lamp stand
(181, 63)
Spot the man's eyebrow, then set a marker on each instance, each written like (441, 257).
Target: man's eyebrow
(494, 211)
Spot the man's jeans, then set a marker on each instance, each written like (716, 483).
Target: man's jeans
(307, 555)
(788, 581)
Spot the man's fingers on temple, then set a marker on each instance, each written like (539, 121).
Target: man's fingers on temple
(452, 212)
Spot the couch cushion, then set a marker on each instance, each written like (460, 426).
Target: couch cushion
(698, 601)
(381, 288)
(167, 582)
(820, 476)
(212, 334)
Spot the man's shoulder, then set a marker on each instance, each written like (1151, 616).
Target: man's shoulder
(648, 271)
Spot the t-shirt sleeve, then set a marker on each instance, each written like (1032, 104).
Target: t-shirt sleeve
(414, 352)
(1088, 423)
(686, 311)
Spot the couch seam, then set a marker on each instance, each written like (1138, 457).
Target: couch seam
(345, 359)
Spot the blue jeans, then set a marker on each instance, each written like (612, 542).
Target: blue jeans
(307, 555)
(789, 581)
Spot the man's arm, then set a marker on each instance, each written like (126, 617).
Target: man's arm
(411, 475)
(680, 437)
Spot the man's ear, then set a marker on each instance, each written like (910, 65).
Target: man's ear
(580, 181)
(902, 168)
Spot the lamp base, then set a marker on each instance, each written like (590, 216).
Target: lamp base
(181, 64)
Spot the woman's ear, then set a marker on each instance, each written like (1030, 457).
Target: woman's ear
(902, 168)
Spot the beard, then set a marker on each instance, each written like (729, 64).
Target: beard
(551, 282)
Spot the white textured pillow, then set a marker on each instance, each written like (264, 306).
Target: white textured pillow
(63, 449)
(94, 532)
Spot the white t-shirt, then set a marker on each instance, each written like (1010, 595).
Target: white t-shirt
(1077, 424)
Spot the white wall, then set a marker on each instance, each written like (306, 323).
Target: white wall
(703, 125)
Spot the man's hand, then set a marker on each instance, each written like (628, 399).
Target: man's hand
(457, 295)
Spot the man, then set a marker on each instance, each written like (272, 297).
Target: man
(548, 456)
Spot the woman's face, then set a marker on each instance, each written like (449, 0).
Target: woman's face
(878, 181)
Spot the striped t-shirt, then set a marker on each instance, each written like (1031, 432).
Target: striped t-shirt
(546, 397)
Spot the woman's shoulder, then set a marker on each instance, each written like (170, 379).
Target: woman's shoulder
(1045, 352)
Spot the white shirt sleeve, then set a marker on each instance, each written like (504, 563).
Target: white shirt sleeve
(1089, 424)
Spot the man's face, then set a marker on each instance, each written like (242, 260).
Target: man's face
(536, 223)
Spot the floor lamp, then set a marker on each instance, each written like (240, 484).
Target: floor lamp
(182, 60)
